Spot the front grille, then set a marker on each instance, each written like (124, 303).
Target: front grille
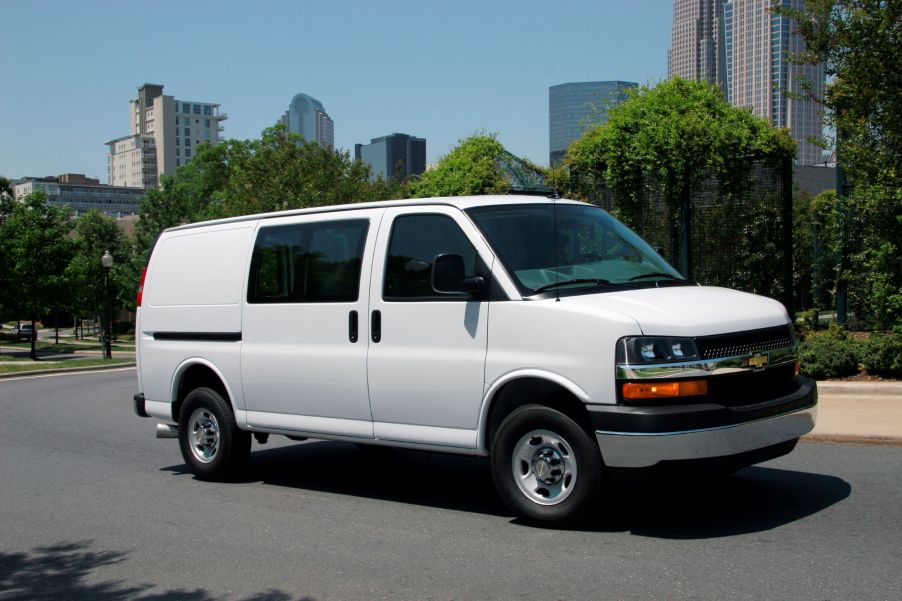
(744, 343)
(751, 387)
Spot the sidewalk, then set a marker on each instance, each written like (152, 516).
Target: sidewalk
(866, 412)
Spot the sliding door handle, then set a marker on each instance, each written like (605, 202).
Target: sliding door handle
(376, 326)
(352, 326)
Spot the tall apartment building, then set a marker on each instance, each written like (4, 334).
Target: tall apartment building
(307, 117)
(575, 107)
(743, 46)
(393, 156)
(82, 194)
(165, 134)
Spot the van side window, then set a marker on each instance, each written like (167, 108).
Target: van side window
(415, 241)
(308, 262)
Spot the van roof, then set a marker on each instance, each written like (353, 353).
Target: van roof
(461, 202)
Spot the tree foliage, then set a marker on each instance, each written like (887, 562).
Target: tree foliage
(279, 171)
(36, 247)
(674, 136)
(471, 168)
(6, 198)
(94, 234)
(860, 44)
(816, 240)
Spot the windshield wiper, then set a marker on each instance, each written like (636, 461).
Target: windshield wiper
(656, 274)
(596, 281)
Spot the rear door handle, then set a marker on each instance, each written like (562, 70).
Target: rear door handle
(352, 326)
(376, 326)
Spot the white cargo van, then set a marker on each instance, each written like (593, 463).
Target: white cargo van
(543, 334)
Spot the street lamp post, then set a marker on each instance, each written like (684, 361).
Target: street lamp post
(107, 261)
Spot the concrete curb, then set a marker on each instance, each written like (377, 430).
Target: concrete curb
(65, 370)
(857, 388)
(887, 441)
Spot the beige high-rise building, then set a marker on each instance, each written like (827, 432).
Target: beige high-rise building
(165, 134)
(697, 42)
(743, 46)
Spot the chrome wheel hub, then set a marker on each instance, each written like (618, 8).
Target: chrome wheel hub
(204, 435)
(544, 467)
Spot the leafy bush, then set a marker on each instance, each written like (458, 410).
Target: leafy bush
(829, 355)
(882, 355)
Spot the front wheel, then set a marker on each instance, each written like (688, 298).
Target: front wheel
(212, 444)
(546, 467)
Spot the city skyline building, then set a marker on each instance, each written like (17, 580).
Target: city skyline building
(393, 156)
(698, 42)
(164, 135)
(83, 194)
(576, 106)
(743, 46)
(307, 117)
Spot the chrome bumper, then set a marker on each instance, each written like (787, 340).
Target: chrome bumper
(628, 449)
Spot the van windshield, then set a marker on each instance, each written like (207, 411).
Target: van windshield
(589, 251)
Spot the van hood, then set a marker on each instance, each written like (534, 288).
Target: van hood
(689, 310)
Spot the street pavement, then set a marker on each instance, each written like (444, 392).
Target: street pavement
(92, 506)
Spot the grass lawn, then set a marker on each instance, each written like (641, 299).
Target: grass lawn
(62, 347)
(24, 365)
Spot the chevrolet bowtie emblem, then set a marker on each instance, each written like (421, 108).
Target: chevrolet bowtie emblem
(758, 360)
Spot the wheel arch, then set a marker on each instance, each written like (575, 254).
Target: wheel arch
(529, 387)
(194, 373)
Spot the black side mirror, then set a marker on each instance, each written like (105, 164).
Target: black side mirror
(448, 273)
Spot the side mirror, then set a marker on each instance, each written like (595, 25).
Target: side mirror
(448, 273)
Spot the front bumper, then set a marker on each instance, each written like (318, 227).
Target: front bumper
(646, 436)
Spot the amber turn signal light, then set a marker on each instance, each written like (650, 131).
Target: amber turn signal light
(660, 390)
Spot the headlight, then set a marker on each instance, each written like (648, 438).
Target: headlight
(633, 350)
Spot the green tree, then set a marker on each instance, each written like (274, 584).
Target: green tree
(815, 246)
(279, 171)
(859, 42)
(6, 198)
(671, 139)
(675, 135)
(471, 168)
(94, 234)
(35, 246)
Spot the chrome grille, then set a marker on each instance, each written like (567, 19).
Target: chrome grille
(743, 343)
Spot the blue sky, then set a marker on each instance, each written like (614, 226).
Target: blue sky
(439, 70)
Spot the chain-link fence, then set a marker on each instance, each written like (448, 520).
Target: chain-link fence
(737, 240)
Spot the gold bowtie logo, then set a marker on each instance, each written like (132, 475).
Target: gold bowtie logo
(758, 360)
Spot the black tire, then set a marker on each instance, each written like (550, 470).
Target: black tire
(212, 444)
(556, 476)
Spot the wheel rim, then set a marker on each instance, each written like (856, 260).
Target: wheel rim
(544, 467)
(203, 435)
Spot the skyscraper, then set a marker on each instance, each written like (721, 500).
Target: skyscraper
(307, 117)
(394, 156)
(575, 107)
(744, 47)
(697, 43)
(165, 133)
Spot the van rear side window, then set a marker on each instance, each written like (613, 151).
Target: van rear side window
(308, 262)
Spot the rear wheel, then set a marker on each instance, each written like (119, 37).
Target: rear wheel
(212, 444)
(546, 467)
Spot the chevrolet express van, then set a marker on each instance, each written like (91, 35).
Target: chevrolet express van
(543, 334)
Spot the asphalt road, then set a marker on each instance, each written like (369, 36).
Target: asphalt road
(92, 506)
